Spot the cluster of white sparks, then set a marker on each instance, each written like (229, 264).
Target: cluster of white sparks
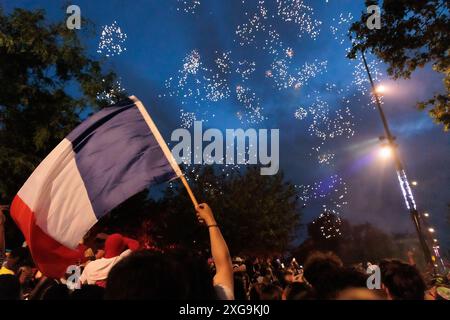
(188, 6)
(201, 82)
(361, 81)
(330, 223)
(187, 119)
(325, 158)
(199, 86)
(112, 40)
(327, 123)
(296, 11)
(341, 27)
(251, 110)
(301, 113)
(245, 69)
(111, 95)
(330, 193)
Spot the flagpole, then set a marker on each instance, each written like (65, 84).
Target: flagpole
(189, 190)
(164, 147)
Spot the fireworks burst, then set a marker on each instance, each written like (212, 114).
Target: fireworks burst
(360, 79)
(112, 40)
(330, 193)
(245, 69)
(341, 27)
(188, 6)
(300, 113)
(252, 111)
(329, 223)
(187, 119)
(111, 95)
(325, 158)
(296, 11)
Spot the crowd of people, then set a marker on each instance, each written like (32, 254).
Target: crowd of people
(117, 268)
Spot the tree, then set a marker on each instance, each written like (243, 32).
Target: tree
(46, 80)
(414, 33)
(352, 243)
(257, 214)
(365, 242)
(325, 230)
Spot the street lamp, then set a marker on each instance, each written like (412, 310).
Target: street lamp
(401, 173)
(380, 89)
(385, 152)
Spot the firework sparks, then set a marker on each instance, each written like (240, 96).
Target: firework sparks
(300, 113)
(330, 193)
(296, 11)
(188, 6)
(112, 40)
(252, 112)
(341, 26)
(111, 95)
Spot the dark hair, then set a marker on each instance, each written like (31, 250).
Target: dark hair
(57, 291)
(255, 292)
(9, 287)
(173, 275)
(351, 277)
(322, 271)
(298, 291)
(88, 292)
(22, 257)
(403, 281)
(271, 292)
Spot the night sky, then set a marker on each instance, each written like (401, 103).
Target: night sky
(187, 59)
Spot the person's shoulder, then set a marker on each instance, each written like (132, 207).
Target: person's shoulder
(91, 265)
(126, 253)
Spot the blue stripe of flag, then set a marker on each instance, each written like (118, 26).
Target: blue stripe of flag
(117, 156)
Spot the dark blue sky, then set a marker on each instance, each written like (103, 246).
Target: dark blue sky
(159, 37)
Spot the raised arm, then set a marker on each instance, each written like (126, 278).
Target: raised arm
(219, 248)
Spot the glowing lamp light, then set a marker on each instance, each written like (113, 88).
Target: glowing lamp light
(414, 183)
(380, 89)
(385, 152)
(430, 230)
(426, 214)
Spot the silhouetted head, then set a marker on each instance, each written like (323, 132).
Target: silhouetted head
(352, 278)
(402, 281)
(19, 257)
(56, 292)
(173, 275)
(322, 271)
(298, 291)
(88, 292)
(270, 292)
(9, 287)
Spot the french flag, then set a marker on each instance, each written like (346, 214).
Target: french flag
(111, 156)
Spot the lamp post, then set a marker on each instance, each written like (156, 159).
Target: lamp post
(401, 174)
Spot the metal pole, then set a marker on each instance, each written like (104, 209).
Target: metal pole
(401, 174)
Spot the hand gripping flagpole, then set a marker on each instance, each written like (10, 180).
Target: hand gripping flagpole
(164, 147)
